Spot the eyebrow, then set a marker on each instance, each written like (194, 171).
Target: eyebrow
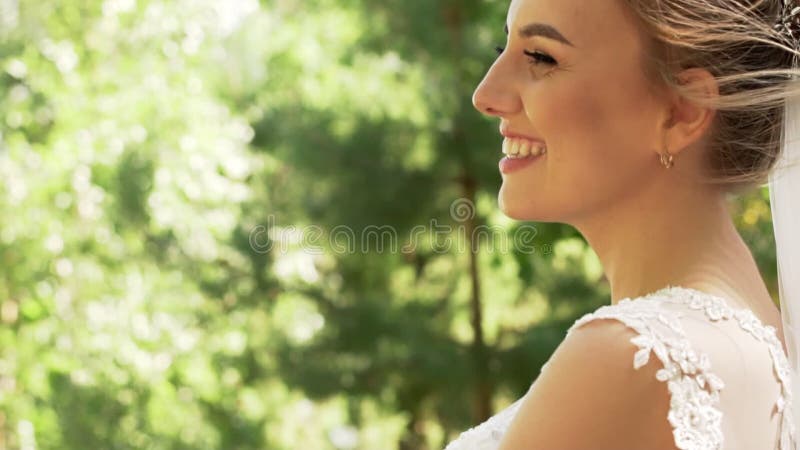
(541, 29)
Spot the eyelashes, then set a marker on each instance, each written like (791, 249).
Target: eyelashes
(536, 58)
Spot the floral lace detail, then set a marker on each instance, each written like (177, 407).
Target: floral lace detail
(487, 435)
(694, 389)
(717, 308)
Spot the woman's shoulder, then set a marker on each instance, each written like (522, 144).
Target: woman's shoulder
(671, 305)
(684, 330)
(677, 324)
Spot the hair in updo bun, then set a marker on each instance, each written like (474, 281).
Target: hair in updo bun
(738, 42)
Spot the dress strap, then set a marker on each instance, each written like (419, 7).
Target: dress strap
(694, 389)
(716, 308)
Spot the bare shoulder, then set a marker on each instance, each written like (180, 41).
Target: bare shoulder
(590, 396)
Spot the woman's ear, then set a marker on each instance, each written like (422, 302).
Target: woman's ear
(689, 121)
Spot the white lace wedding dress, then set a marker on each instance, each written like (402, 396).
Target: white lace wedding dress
(727, 373)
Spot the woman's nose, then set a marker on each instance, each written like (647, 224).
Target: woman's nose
(494, 96)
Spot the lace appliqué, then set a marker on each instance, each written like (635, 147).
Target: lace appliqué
(488, 434)
(694, 390)
(716, 309)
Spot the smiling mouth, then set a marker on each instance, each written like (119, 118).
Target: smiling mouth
(516, 148)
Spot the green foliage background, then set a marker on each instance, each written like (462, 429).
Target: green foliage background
(161, 163)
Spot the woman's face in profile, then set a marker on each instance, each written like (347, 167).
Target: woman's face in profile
(570, 75)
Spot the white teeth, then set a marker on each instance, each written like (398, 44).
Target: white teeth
(522, 148)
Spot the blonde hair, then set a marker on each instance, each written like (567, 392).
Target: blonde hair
(735, 40)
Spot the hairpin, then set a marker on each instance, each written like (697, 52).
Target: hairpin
(789, 22)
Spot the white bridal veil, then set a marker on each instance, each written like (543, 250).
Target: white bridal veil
(784, 190)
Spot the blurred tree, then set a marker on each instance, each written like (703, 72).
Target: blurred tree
(382, 99)
(212, 234)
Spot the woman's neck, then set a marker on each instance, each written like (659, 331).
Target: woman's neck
(687, 238)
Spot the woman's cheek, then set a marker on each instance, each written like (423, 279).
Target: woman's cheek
(576, 119)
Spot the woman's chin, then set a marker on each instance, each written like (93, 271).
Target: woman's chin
(522, 207)
(516, 208)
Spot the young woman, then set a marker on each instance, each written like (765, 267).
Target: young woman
(634, 121)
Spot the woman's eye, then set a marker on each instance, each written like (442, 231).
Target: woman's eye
(540, 58)
(536, 58)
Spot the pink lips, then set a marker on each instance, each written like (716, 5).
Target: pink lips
(509, 165)
(505, 131)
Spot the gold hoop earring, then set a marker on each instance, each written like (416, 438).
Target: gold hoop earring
(667, 160)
